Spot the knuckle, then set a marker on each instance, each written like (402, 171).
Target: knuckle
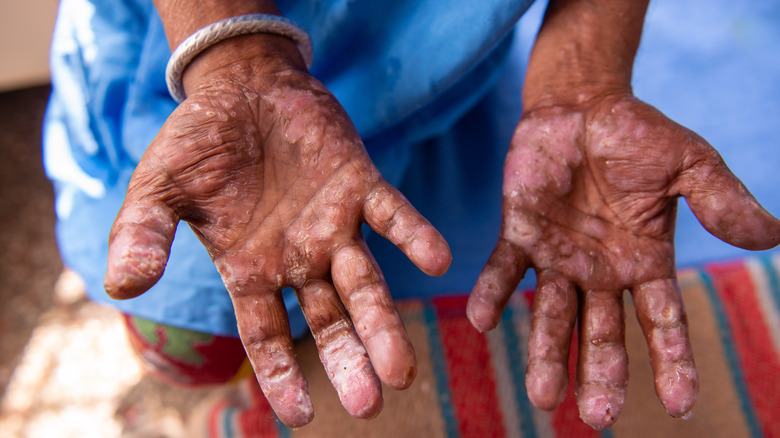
(265, 344)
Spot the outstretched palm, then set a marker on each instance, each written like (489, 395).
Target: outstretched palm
(276, 183)
(590, 197)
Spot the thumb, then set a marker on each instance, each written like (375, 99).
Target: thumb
(139, 243)
(723, 204)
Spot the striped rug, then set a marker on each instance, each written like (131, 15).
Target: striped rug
(471, 384)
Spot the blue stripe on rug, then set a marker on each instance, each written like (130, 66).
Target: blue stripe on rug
(282, 431)
(440, 371)
(774, 280)
(227, 417)
(731, 355)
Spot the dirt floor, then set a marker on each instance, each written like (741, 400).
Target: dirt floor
(65, 367)
(29, 263)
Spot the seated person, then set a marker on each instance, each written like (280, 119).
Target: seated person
(276, 166)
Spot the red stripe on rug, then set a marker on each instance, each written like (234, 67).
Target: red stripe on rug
(215, 420)
(566, 419)
(757, 357)
(258, 421)
(471, 381)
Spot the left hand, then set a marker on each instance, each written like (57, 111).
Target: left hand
(590, 197)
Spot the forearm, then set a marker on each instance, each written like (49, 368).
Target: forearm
(585, 48)
(182, 18)
(243, 57)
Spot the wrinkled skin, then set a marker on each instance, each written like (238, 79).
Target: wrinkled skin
(268, 170)
(590, 197)
(275, 181)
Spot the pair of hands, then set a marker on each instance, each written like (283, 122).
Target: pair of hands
(270, 173)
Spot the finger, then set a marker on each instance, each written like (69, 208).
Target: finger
(552, 321)
(367, 300)
(495, 285)
(723, 204)
(341, 352)
(140, 241)
(602, 374)
(661, 314)
(391, 215)
(265, 333)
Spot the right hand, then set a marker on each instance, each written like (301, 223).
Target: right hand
(270, 173)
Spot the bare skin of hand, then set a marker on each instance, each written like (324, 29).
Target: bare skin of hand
(270, 173)
(590, 197)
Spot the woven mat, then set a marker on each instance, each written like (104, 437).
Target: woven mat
(472, 385)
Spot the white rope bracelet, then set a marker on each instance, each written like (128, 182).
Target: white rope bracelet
(228, 28)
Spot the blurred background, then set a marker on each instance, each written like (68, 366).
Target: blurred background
(25, 33)
(66, 369)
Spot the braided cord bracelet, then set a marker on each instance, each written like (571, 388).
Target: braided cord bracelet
(228, 28)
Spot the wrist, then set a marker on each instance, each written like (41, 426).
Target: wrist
(248, 60)
(240, 52)
(574, 83)
(585, 49)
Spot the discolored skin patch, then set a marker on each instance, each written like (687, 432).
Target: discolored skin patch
(268, 170)
(591, 184)
(270, 173)
(590, 196)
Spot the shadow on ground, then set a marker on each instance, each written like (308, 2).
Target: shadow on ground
(66, 369)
